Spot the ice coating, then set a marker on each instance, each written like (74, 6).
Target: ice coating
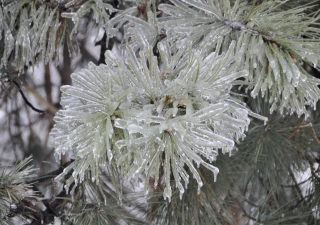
(145, 122)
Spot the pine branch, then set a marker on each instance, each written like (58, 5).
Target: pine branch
(269, 45)
(13, 190)
(36, 30)
(160, 109)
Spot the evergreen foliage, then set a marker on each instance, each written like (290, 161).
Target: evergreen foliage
(270, 42)
(188, 79)
(12, 189)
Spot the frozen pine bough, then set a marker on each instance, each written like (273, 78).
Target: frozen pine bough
(147, 117)
(165, 111)
(271, 43)
(165, 107)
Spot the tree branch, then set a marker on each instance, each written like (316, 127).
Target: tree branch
(50, 107)
(25, 98)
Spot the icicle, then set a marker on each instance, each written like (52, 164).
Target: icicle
(160, 107)
(181, 194)
(199, 187)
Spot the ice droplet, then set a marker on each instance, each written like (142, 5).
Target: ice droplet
(120, 123)
(121, 143)
(181, 194)
(215, 177)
